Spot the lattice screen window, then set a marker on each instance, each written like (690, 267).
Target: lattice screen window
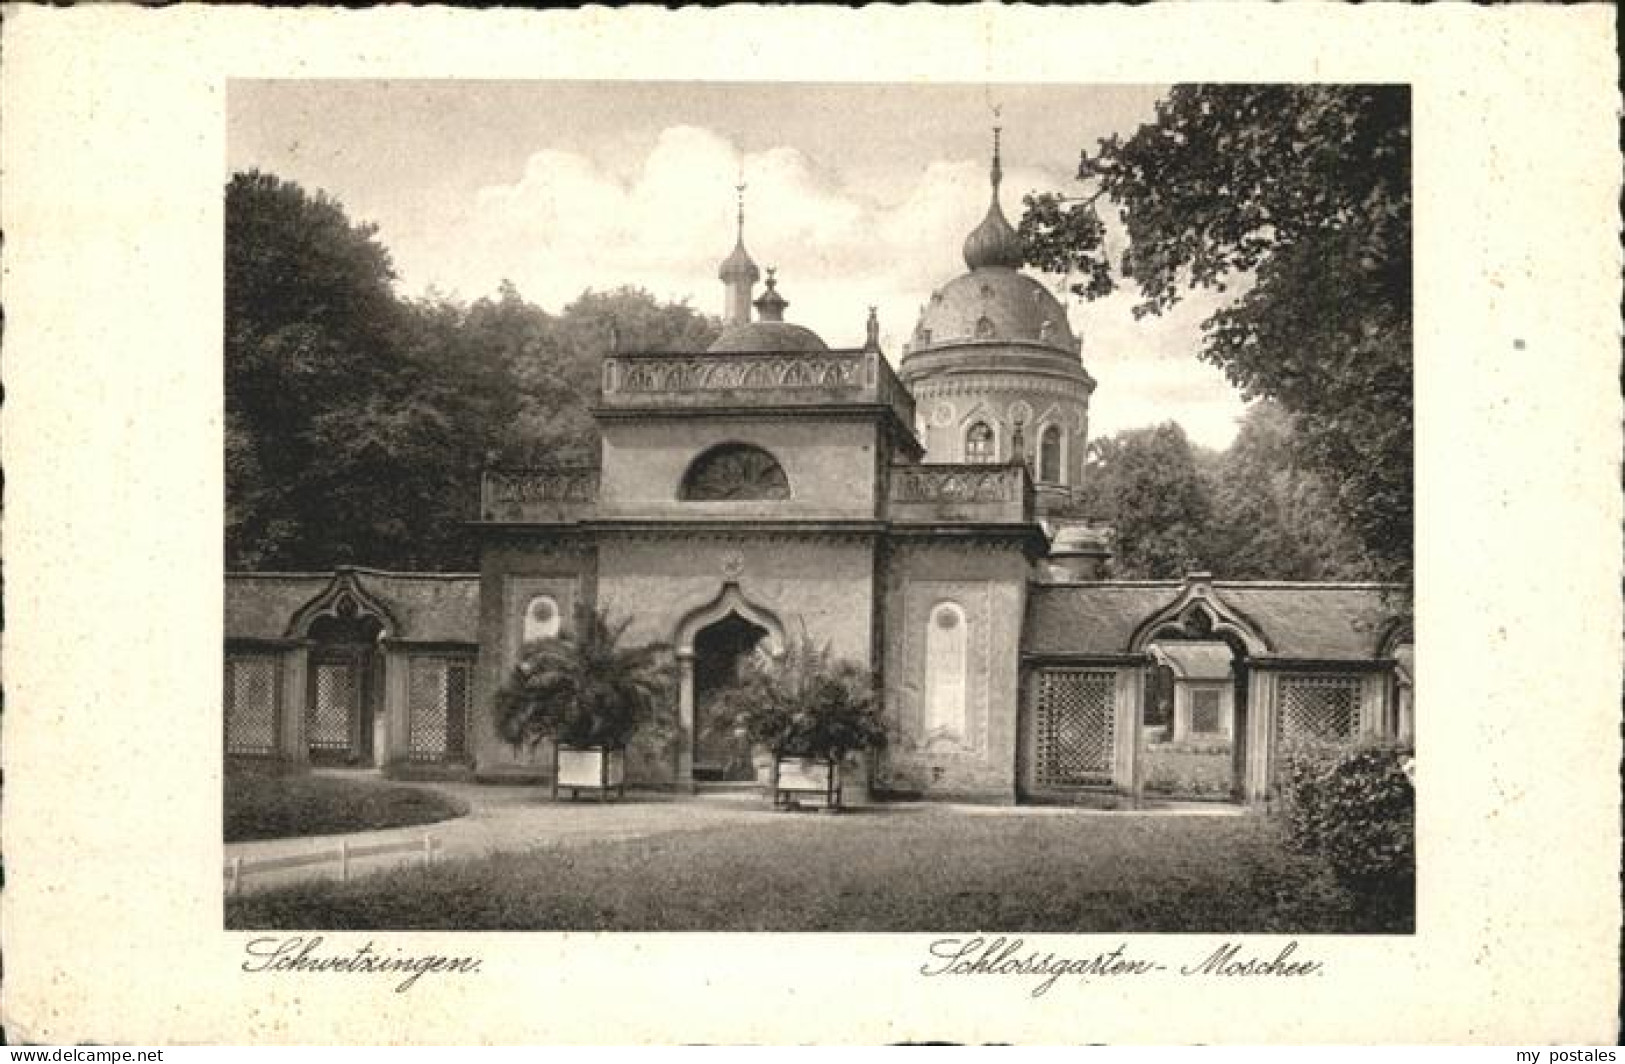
(439, 690)
(253, 691)
(1074, 730)
(1205, 719)
(331, 715)
(1318, 710)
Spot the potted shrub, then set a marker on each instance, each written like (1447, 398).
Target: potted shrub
(809, 710)
(589, 695)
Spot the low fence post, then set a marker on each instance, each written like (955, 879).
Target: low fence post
(237, 868)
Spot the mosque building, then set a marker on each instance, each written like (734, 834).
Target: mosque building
(923, 521)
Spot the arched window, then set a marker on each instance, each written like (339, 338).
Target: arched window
(979, 443)
(734, 471)
(542, 619)
(946, 640)
(1049, 455)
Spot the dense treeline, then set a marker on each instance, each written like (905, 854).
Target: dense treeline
(1255, 511)
(357, 422)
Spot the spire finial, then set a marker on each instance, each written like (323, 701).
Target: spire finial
(998, 170)
(994, 242)
(737, 272)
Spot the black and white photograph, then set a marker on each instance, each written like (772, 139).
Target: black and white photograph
(808, 526)
(1019, 475)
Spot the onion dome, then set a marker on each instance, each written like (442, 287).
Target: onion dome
(738, 265)
(994, 242)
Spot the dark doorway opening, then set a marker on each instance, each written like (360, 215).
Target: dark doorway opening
(719, 650)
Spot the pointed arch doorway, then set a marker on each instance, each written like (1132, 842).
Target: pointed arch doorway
(1211, 753)
(712, 643)
(720, 649)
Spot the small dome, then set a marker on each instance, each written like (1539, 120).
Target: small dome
(774, 336)
(994, 242)
(771, 306)
(993, 304)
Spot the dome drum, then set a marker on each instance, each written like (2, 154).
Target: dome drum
(1016, 364)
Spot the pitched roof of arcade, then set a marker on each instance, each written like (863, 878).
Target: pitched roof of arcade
(425, 607)
(1311, 622)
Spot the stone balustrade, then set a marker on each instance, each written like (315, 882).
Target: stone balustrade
(796, 378)
(975, 493)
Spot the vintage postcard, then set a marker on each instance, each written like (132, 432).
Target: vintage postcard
(787, 526)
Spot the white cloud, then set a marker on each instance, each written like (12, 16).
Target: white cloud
(569, 223)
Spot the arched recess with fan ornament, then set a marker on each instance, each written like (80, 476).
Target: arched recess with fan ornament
(734, 472)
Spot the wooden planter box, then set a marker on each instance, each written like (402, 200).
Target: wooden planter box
(806, 781)
(589, 769)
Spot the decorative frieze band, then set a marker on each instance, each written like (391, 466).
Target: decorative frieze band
(733, 372)
(1012, 385)
(541, 485)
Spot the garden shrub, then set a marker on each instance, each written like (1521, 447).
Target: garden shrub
(1357, 809)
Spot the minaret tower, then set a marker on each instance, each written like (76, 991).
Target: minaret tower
(738, 274)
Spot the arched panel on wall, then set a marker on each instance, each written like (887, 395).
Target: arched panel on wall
(947, 643)
(1051, 467)
(734, 472)
(543, 619)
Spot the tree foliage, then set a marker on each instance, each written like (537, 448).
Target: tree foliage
(357, 422)
(1300, 196)
(803, 702)
(1273, 517)
(1146, 483)
(1251, 512)
(585, 688)
(1356, 808)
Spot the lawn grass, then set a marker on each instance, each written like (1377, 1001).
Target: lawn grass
(265, 805)
(932, 870)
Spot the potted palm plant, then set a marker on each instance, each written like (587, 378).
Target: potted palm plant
(589, 695)
(810, 711)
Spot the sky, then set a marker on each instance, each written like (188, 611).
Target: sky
(860, 195)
